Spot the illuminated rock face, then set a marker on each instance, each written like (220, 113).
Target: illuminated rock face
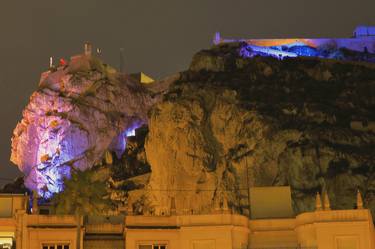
(229, 123)
(78, 112)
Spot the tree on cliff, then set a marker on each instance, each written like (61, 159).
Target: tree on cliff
(15, 187)
(84, 194)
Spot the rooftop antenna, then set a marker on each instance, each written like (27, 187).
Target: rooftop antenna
(217, 38)
(122, 60)
(50, 62)
(88, 49)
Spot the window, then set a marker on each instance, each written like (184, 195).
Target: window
(145, 247)
(347, 242)
(5, 246)
(153, 246)
(55, 246)
(160, 247)
(7, 240)
(44, 211)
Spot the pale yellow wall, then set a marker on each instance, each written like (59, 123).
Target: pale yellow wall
(220, 231)
(194, 237)
(9, 204)
(328, 234)
(219, 236)
(6, 206)
(372, 233)
(38, 236)
(39, 229)
(240, 237)
(7, 225)
(325, 229)
(306, 235)
(272, 233)
(134, 237)
(19, 203)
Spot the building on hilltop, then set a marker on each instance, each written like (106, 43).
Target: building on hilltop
(364, 31)
(142, 78)
(363, 41)
(272, 225)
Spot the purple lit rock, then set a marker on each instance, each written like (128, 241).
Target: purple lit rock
(78, 112)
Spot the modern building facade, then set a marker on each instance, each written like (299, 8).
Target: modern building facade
(320, 229)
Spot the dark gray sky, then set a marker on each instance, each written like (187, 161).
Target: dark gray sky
(159, 37)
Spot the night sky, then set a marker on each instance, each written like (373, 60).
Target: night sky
(159, 37)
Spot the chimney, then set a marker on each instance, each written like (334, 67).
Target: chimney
(51, 62)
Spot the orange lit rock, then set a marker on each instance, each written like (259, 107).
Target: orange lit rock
(44, 158)
(229, 123)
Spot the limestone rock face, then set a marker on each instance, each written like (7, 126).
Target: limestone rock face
(229, 123)
(79, 112)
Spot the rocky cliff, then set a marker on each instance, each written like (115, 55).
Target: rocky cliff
(226, 124)
(230, 123)
(80, 111)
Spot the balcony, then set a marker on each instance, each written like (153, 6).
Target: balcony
(51, 221)
(334, 216)
(105, 228)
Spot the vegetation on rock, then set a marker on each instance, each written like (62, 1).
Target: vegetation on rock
(84, 194)
(15, 187)
(275, 122)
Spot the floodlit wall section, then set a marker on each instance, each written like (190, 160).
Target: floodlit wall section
(36, 237)
(49, 229)
(6, 239)
(335, 229)
(271, 202)
(273, 233)
(6, 205)
(9, 204)
(325, 229)
(222, 231)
